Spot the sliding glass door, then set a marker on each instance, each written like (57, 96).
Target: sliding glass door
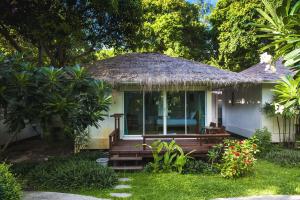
(195, 112)
(176, 112)
(155, 112)
(133, 113)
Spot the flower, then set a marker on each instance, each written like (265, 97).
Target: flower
(278, 108)
(237, 154)
(265, 58)
(231, 147)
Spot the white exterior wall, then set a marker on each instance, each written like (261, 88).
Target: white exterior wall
(271, 123)
(242, 117)
(99, 136)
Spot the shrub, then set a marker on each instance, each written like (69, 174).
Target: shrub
(9, 187)
(197, 167)
(22, 169)
(285, 157)
(238, 157)
(173, 158)
(71, 175)
(264, 142)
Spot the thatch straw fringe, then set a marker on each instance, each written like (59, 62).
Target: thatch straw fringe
(153, 70)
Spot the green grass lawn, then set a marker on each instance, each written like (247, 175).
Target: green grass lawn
(268, 179)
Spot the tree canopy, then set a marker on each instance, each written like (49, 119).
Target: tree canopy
(234, 36)
(63, 32)
(174, 27)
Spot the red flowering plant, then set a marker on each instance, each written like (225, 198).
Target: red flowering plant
(238, 158)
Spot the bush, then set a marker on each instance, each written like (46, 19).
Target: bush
(22, 169)
(285, 157)
(197, 167)
(9, 187)
(264, 141)
(173, 158)
(71, 175)
(238, 157)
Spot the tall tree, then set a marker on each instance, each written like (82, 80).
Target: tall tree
(65, 31)
(235, 41)
(174, 27)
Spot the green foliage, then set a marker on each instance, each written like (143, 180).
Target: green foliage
(23, 168)
(235, 41)
(264, 141)
(66, 173)
(287, 92)
(9, 187)
(167, 157)
(238, 158)
(193, 166)
(285, 157)
(67, 32)
(215, 154)
(175, 28)
(283, 29)
(181, 159)
(68, 98)
(70, 175)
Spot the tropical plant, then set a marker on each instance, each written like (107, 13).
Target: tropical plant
(181, 159)
(283, 29)
(47, 97)
(238, 157)
(10, 189)
(264, 141)
(156, 148)
(287, 92)
(167, 157)
(215, 154)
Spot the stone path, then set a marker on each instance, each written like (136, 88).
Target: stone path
(265, 197)
(122, 186)
(56, 196)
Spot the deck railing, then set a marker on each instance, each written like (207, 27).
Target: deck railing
(114, 136)
(212, 138)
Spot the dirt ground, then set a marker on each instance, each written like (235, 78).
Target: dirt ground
(36, 149)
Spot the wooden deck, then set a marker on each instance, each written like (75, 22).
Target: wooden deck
(135, 148)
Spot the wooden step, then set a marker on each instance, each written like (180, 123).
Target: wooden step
(125, 158)
(127, 168)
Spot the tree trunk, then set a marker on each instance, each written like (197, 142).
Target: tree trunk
(278, 124)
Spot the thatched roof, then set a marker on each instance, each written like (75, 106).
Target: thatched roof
(153, 69)
(258, 72)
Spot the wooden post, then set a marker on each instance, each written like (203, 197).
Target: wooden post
(117, 117)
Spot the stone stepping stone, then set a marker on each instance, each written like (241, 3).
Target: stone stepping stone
(124, 179)
(122, 187)
(120, 195)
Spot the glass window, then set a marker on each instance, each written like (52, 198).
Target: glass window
(195, 107)
(133, 113)
(153, 113)
(176, 112)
